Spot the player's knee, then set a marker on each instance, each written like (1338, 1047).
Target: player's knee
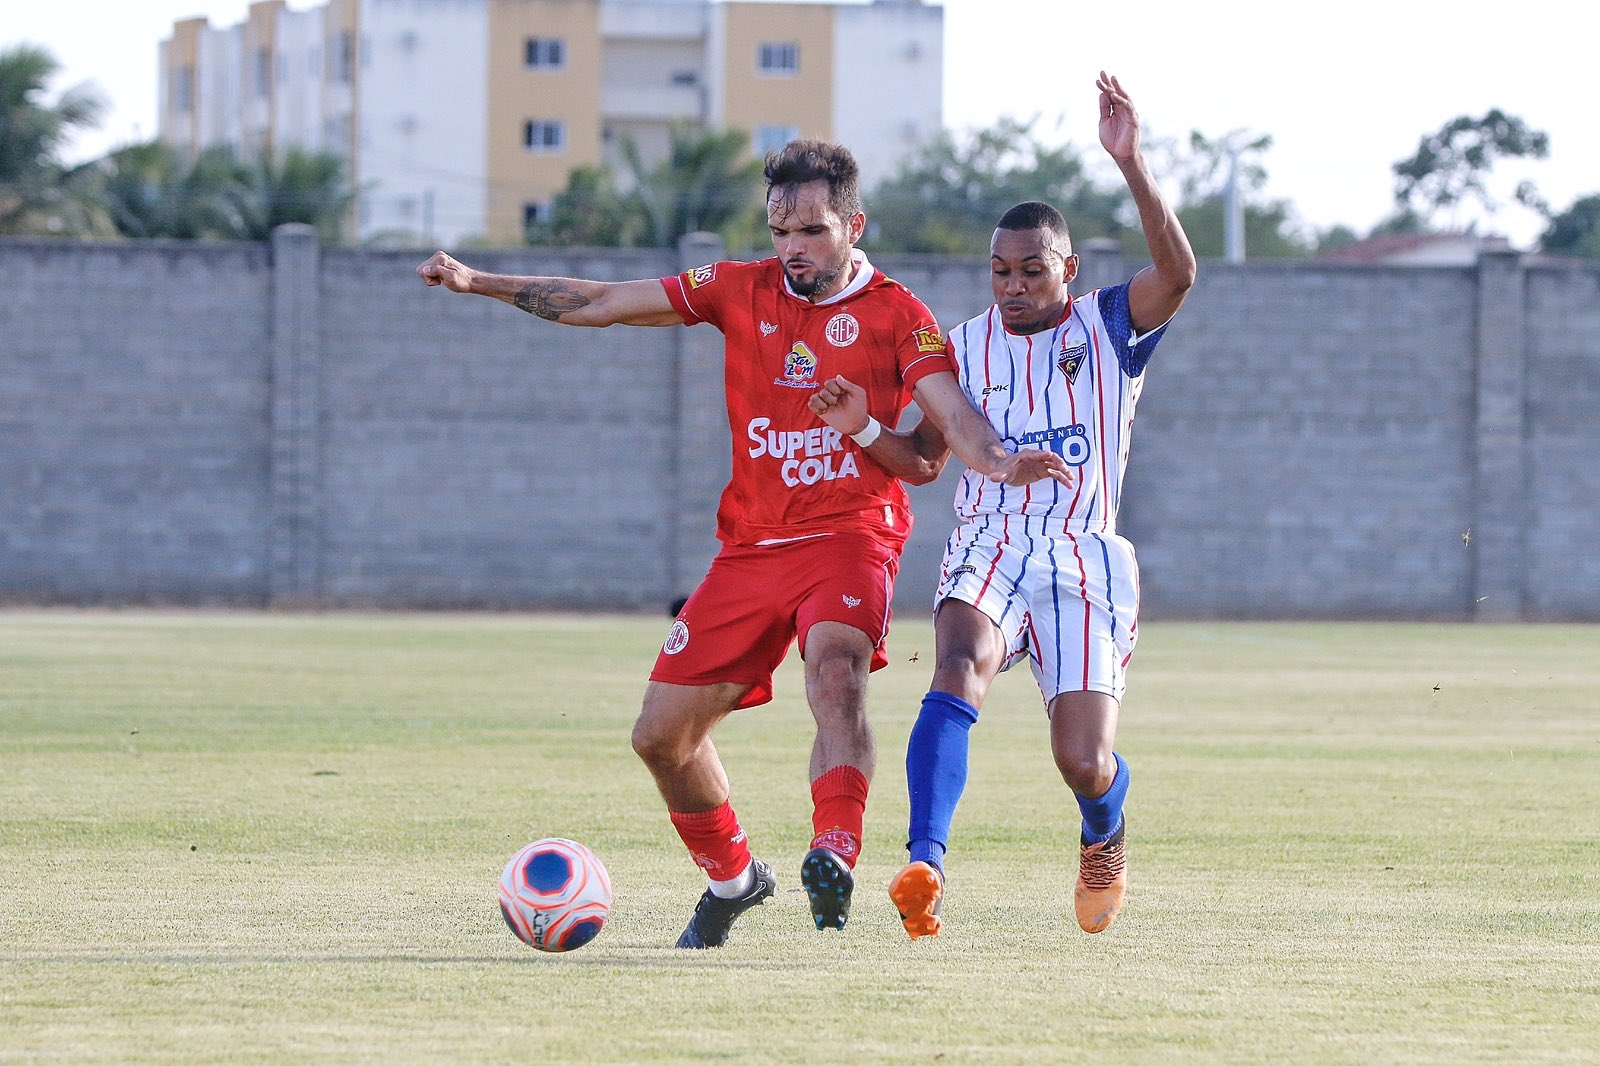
(838, 679)
(659, 748)
(963, 673)
(1087, 773)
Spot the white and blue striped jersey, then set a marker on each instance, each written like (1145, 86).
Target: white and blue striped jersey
(1071, 388)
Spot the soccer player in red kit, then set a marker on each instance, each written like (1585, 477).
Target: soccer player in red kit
(811, 532)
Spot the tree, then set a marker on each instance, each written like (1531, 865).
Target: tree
(1575, 231)
(38, 194)
(590, 212)
(707, 182)
(1207, 172)
(149, 191)
(291, 186)
(1450, 166)
(948, 194)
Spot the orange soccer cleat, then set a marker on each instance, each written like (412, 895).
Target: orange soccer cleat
(1102, 881)
(917, 892)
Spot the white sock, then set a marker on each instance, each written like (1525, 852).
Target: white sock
(737, 886)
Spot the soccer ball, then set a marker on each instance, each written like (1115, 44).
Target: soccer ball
(555, 895)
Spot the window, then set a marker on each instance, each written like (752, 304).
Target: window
(545, 53)
(778, 58)
(544, 135)
(342, 58)
(769, 139)
(263, 72)
(535, 213)
(183, 90)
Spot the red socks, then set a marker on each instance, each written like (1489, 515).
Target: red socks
(840, 796)
(715, 841)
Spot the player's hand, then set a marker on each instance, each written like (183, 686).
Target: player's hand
(1119, 122)
(1032, 464)
(842, 404)
(443, 270)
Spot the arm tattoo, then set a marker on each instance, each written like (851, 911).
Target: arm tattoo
(549, 299)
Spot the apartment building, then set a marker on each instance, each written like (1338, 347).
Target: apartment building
(461, 119)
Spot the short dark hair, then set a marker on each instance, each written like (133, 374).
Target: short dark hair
(1036, 215)
(799, 162)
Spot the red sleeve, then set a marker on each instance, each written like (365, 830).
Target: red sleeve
(924, 350)
(693, 293)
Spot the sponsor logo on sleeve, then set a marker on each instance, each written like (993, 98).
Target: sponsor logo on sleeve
(929, 339)
(702, 275)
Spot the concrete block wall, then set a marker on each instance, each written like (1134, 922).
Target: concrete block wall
(290, 425)
(134, 396)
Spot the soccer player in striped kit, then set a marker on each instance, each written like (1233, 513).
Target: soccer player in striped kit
(1039, 572)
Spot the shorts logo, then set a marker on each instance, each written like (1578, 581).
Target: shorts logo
(702, 275)
(843, 329)
(967, 568)
(677, 638)
(929, 340)
(851, 601)
(1071, 359)
(799, 368)
(767, 328)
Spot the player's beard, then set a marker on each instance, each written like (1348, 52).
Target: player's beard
(822, 279)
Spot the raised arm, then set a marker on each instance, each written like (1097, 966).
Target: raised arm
(570, 301)
(1157, 291)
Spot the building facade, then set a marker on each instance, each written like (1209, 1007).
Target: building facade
(461, 119)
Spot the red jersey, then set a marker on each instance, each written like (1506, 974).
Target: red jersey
(793, 475)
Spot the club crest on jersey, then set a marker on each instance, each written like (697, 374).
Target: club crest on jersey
(799, 368)
(843, 329)
(702, 275)
(929, 340)
(1071, 359)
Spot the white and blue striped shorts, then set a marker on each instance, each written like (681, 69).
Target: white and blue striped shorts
(1068, 602)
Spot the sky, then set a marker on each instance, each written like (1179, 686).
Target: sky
(1345, 90)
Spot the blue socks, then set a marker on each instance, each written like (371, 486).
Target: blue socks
(936, 773)
(1102, 816)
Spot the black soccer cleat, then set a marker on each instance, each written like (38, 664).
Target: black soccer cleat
(828, 883)
(713, 916)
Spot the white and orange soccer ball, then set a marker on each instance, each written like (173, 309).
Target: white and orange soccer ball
(555, 894)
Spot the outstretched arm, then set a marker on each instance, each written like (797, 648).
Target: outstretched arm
(1157, 291)
(571, 301)
(916, 456)
(972, 437)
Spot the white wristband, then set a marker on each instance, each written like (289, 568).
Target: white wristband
(869, 434)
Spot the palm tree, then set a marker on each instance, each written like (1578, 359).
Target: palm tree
(707, 182)
(294, 186)
(37, 193)
(149, 192)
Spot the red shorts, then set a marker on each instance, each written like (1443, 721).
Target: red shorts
(754, 601)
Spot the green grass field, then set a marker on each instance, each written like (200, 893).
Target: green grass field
(269, 838)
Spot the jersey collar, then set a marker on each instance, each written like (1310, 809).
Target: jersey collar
(863, 277)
